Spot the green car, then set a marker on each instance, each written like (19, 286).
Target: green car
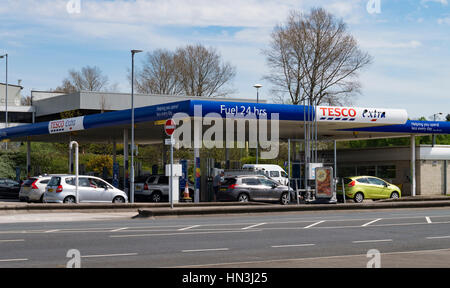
(359, 188)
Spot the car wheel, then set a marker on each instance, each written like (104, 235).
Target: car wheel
(119, 199)
(243, 197)
(359, 197)
(69, 199)
(395, 195)
(284, 199)
(156, 197)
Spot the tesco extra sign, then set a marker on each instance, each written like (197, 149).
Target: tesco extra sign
(361, 115)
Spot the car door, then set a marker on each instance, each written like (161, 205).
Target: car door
(13, 188)
(3, 188)
(379, 187)
(270, 191)
(85, 191)
(100, 193)
(252, 186)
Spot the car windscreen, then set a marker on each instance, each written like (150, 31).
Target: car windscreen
(55, 181)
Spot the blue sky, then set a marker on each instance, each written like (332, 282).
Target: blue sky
(408, 39)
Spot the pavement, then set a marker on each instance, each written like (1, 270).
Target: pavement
(11, 207)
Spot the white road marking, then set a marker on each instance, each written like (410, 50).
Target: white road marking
(368, 223)
(109, 255)
(438, 237)
(253, 226)
(12, 240)
(292, 245)
(371, 241)
(182, 233)
(314, 224)
(306, 259)
(118, 229)
(189, 227)
(13, 260)
(51, 231)
(428, 220)
(205, 250)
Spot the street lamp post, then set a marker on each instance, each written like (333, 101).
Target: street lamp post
(257, 86)
(132, 126)
(433, 137)
(6, 95)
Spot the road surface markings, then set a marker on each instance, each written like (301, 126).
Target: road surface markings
(109, 255)
(51, 231)
(205, 250)
(13, 260)
(292, 245)
(314, 224)
(372, 241)
(12, 240)
(118, 229)
(180, 234)
(428, 220)
(259, 262)
(253, 226)
(373, 221)
(189, 227)
(438, 237)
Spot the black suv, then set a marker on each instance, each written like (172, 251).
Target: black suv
(253, 188)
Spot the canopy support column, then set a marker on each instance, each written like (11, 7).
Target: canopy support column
(413, 165)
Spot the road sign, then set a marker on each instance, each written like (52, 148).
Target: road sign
(169, 127)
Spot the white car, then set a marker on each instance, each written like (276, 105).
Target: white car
(33, 189)
(61, 189)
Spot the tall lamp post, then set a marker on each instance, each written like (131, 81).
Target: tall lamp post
(132, 126)
(433, 137)
(6, 95)
(257, 86)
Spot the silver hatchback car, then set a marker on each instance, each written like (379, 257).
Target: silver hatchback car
(61, 189)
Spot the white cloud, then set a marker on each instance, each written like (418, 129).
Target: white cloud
(443, 2)
(445, 20)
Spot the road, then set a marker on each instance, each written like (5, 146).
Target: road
(405, 238)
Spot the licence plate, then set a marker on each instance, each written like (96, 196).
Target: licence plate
(50, 190)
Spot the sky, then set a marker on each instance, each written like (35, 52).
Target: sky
(409, 41)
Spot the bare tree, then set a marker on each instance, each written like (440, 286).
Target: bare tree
(313, 57)
(201, 71)
(88, 79)
(158, 74)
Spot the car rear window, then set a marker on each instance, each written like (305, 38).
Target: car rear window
(55, 181)
(347, 180)
(28, 182)
(229, 181)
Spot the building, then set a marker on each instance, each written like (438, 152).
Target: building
(393, 165)
(18, 114)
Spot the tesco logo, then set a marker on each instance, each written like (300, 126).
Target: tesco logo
(337, 112)
(57, 124)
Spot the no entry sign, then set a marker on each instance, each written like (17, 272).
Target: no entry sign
(169, 127)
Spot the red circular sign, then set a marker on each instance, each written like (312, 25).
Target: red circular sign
(169, 127)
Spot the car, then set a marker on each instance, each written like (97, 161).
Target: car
(246, 188)
(61, 189)
(359, 188)
(9, 188)
(33, 189)
(275, 172)
(155, 188)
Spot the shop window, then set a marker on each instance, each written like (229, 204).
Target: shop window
(387, 171)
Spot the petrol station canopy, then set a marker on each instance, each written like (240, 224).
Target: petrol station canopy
(333, 123)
